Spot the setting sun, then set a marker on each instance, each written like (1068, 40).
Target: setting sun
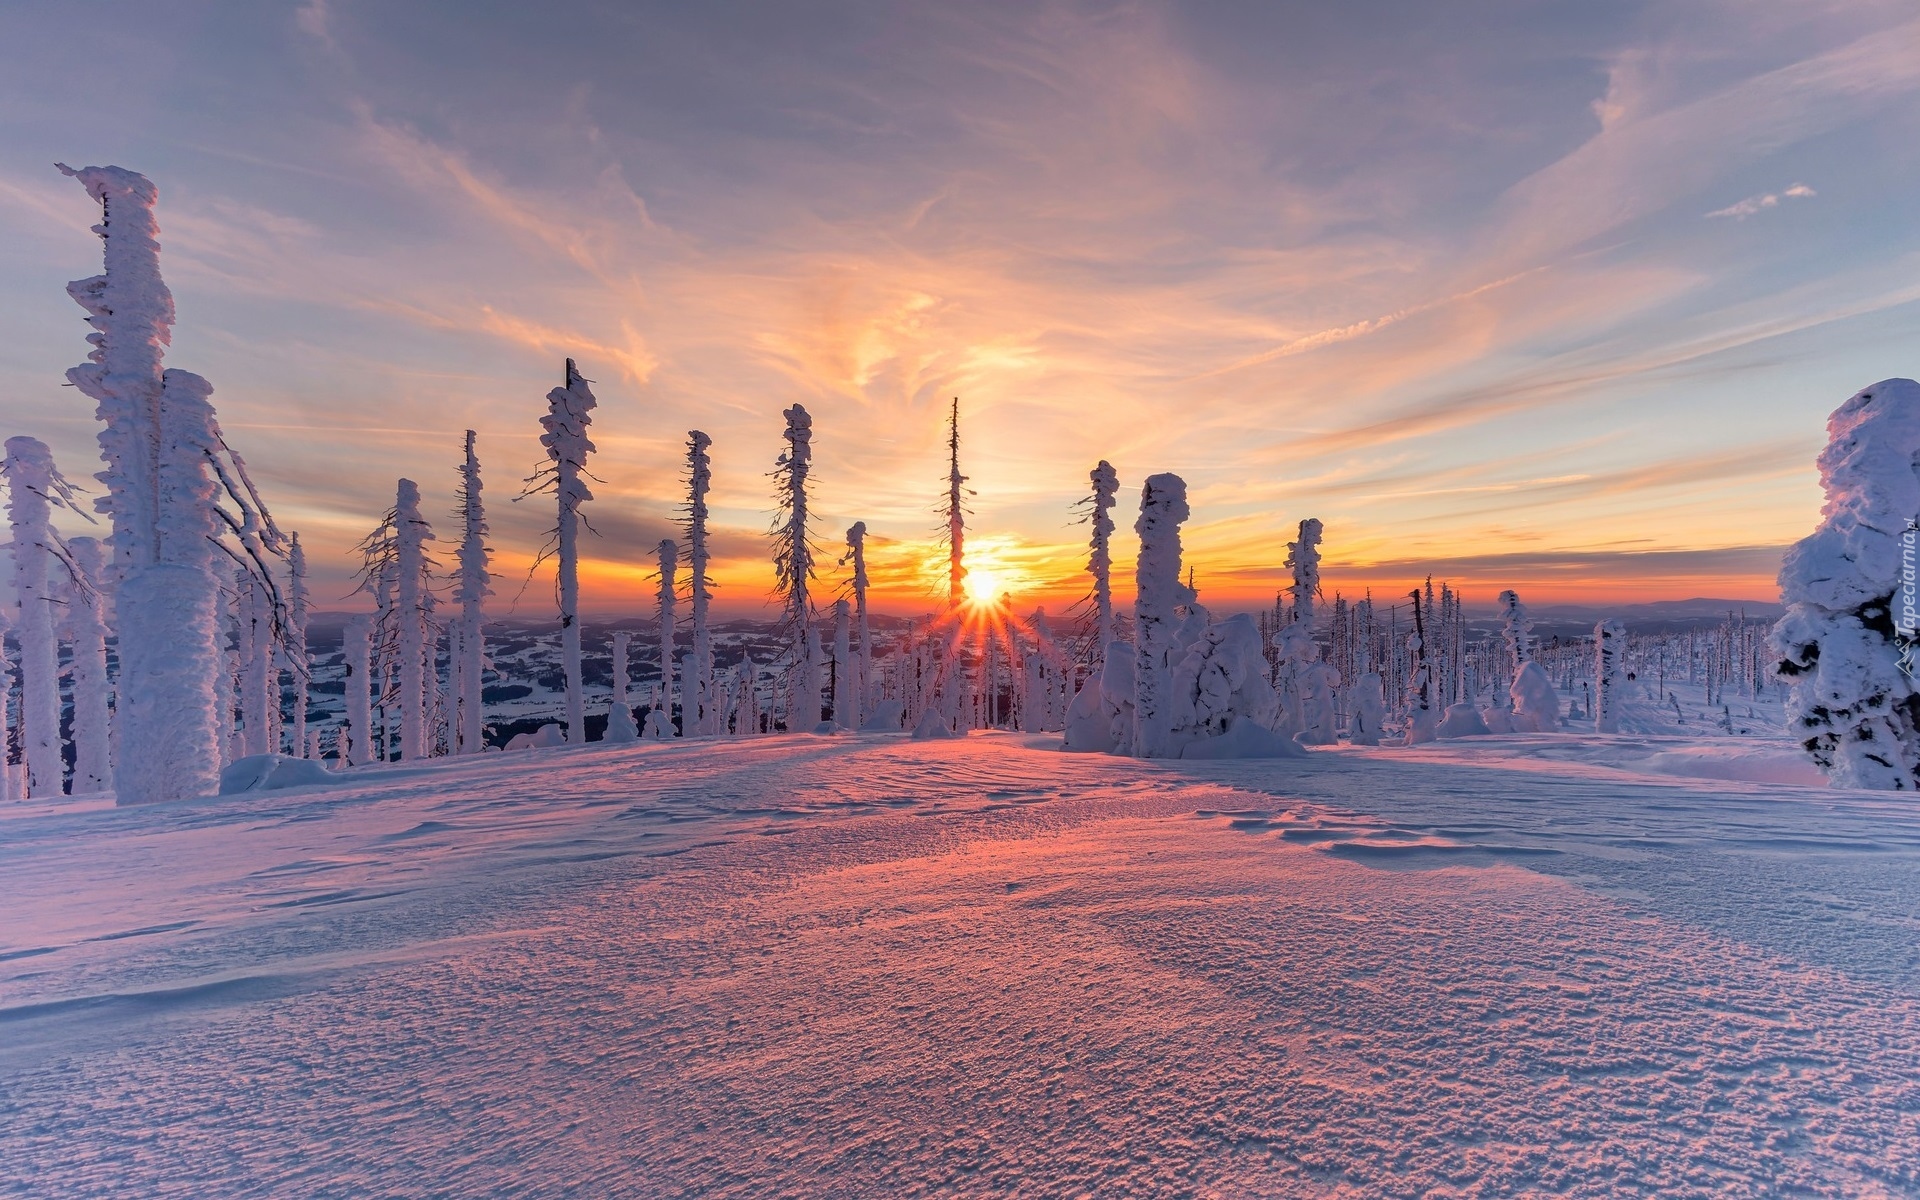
(984, 586)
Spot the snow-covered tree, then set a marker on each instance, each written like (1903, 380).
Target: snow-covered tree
(86, 629)
(669, 556)
(412, 640)
(1423, 717)
(793, 568)
(842, 672)
(1368, 719)
(1609, 683)
(358, 749)
(863, 652)
(1303, 559)
(1516, 627)
(1099, 505)
(955, 513)
(167, 465)
(41, 565)
(299, 606)
(1158, 597)
(565, 439)
(473, 583)
(620, 726)
(707, 718)
(1846, 643)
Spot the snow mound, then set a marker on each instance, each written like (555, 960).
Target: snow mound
(1244, 739)
(1744, 764)
(887, 717)
(1462, 720)
(270, 772)
(932, 727)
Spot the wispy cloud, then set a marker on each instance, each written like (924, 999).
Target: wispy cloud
(1740, 210)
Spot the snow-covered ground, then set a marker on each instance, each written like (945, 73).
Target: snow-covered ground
(864, 966)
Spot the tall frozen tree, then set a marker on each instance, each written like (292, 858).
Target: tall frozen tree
(1423, 716)
(1106, 489)
(473, 583)
(1158, 596)
(1609, 684)
(357, 643)
(160, 496)
(863, 651)
(1847, 640)
(669, 555)
(567, 445)
(412, 638)
(41, 562)
(87, 627)
(793, 567)
(707, 719)
(299, 605)
(955, 512)
(843, 675)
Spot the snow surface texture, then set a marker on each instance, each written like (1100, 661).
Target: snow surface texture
(869, 967)
(1855, 709)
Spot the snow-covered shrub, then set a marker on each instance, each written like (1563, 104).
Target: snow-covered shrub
(1223, 704)
(1100, 719)
(1461, 720)
(1846, 640)
(1536, 706)
(1368, 719)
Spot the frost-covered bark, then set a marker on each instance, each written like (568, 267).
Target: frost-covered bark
(41, 564)
(1609, 643)
(358, 749)
(299, 603)
(1516, 627)
(862, 692)
(793, 569)
(567, 446)
(473, 583)
(956, 513)
(166, 463)
(87, 628)
(1846, 642)
(411, 533)
(708, 718)
(1158, 596)
(669, 586)
(1423, 717)
(620, 726)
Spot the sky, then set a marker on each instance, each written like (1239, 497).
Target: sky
(1554, 297)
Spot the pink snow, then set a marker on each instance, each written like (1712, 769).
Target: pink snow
(868, 966)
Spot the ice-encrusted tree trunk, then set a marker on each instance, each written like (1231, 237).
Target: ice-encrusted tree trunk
(473, 583)
(567, 446)
(1159, 593)
(1106, 489)
(87, 628)
(167, 465)
(1422, 715)
(299, 662)
(11, 778)
(1852, 589)
(707, 719)
(41, 563)
(1516, 628)
(259, 705)
(358, 646)
(863, 649)
(411, 533)
(620, 726)
(955, 513)
(669, 587)
(793, 568)
(1609, 643)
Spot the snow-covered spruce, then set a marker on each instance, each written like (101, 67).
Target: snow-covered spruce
(473, 583)
(668, 555)
(707, 719)
(620, 726)
(569, 409)
(1609, 675)
(1158, 597)
(856, 555)
(1844, 643)
(955, 513)
(412, 640)
(41, 564)
(1368, 718)
(87, 629)
(299, 663)
(358, 646)
(793, 569)
(1106, 489)
(160, 497)
(1422, 717)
